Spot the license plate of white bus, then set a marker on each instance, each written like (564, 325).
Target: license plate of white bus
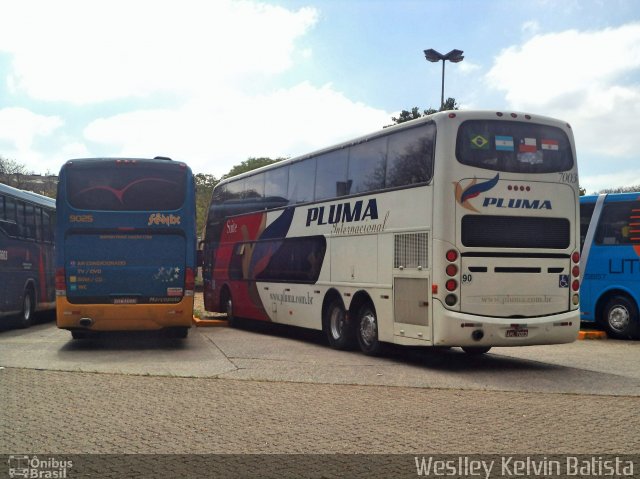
(517, 333)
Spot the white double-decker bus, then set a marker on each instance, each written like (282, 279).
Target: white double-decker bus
(456, 229)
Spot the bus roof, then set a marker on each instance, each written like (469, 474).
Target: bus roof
(630, 195)
(29, 196)
(159, 160)
(437, 117)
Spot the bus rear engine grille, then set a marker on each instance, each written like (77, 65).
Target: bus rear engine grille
(515, 232)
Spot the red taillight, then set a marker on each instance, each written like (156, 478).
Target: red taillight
(61, 286)
(189, 280)
(575, 271)
(575, 285)
(575, 257)
(452, 270)
(452, 255)
(451, 285)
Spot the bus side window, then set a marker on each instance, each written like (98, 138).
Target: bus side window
(614, 222)
(410, 156)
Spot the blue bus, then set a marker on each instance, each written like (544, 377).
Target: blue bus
(26, 254)
(126, 246)
(610, 262)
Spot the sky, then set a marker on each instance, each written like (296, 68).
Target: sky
(214, 82)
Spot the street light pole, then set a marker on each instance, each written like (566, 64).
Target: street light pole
(454, 56)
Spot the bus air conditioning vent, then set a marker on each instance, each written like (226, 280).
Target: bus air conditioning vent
(410, 250)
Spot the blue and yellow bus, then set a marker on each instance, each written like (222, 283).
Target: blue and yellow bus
(610, 263)
(126, 245)
(26, 254)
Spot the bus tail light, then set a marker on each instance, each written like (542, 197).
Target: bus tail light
(575, 274)
(61, 286)
(189, 282)
(451, 271)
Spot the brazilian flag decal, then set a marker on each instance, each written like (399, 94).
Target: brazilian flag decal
(479, 142)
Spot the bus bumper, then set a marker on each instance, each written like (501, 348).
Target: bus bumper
(123, 317)
(461, 329)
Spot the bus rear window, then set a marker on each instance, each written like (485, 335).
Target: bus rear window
(126, 187)
(513, 147)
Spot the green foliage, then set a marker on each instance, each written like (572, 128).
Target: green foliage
(405, 115)
(621, 189)
(204, 186)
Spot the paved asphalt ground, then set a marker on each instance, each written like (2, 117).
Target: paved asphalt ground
(280, 391)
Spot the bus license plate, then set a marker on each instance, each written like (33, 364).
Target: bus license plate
(517, 333)
(125, 301)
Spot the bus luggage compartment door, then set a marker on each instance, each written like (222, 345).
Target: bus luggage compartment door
(411, 307)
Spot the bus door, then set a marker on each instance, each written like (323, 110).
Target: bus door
(412, 286)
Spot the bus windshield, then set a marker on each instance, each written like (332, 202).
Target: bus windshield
(513, 147)
(135, 188)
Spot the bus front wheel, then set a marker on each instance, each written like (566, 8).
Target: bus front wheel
(620, 318)
(28, 305)
(367, 331)
(338, 327)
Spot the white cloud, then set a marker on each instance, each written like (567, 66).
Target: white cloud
(588, 78)
(82, 52)
(20, 129)
(214, 135)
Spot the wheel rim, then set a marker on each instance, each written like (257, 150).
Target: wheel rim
(337, 322)
(619, 318)
(368, 328)
(229, 309)
(26, 308)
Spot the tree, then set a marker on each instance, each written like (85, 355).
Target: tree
(204, 186)
(405, 115)
(12, 173)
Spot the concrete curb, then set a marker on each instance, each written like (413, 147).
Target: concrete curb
(208, 323)
(592, 335)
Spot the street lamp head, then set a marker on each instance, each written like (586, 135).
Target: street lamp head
(433, 55)
(454, 56)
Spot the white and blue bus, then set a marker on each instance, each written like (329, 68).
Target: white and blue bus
(610, 264)
(27, 225)
(456, 229)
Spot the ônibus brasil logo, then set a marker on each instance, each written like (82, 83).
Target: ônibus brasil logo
(473, 189)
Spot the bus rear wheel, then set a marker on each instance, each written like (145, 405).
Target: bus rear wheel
(338, 327)
(367, 331)
(620, 318)
(28, 306)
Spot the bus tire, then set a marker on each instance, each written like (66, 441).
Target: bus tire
(337, 326)
(227, 301)
(367, 331)
(620, 318)
(476, 350)
(178, 332)
(28, 306)
(75, 334)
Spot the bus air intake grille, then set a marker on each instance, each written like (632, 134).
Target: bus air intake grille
(515, 232)
(410, 250)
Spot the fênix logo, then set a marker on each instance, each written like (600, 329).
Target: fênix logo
(160, 219)
(472, 190)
